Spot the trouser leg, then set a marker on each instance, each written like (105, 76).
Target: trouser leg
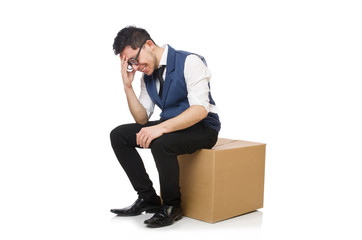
(165, 150)
(123, 140)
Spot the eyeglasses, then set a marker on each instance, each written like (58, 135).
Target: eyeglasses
(134, 61)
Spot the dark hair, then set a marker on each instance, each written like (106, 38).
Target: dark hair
(130, 36)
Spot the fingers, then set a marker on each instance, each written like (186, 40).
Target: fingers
(148, 142)
(127, 77)
(147, 134)
(124, 64)
(138, 139)
(143, 140)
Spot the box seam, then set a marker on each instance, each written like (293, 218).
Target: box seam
(213, 186)
(232, 141)
(228, 149)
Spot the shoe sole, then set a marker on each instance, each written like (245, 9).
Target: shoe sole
(164, 225)
(147, 210)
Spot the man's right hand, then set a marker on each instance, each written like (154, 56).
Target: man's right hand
(127, 77)
(137, 110)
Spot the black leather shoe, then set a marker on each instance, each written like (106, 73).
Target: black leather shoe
(166, 216)
(139, 206)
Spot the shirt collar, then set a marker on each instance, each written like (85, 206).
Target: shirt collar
(163, 60)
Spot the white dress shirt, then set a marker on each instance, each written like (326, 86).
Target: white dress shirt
(197, 77)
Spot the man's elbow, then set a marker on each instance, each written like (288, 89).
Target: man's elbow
(140, 117)
(202, 111)
(141, 121)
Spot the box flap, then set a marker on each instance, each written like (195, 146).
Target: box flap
(224, 143)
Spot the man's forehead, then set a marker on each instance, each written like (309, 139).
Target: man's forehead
(129, 52)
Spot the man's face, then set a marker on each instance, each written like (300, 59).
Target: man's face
(147, 61)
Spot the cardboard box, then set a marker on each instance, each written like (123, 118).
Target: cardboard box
(223, 182)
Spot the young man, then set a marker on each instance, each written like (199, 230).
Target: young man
(178, 83)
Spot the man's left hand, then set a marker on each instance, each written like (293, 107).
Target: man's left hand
(147, 134)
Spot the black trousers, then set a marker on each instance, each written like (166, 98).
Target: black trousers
(165, 150)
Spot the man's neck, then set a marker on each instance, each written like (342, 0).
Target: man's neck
(158, 53)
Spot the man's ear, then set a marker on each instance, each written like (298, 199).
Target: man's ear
(150, 44)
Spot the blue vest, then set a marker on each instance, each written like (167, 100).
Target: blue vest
(174, 95)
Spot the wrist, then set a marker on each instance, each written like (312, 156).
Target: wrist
(164, 127)
(127, 88)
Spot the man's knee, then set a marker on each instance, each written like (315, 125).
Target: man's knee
(116, 133)
(160, 146)
(121, 132)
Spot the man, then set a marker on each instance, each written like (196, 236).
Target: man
(178, 83)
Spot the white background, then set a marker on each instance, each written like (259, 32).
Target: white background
(285, 73)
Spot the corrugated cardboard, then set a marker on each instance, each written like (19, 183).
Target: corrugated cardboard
(223, 182)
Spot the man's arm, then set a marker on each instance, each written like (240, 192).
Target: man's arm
(189, 117)
(137, 110)
(135, 107)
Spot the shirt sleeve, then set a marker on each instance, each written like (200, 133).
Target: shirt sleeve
(197, 77)
(145, 99)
